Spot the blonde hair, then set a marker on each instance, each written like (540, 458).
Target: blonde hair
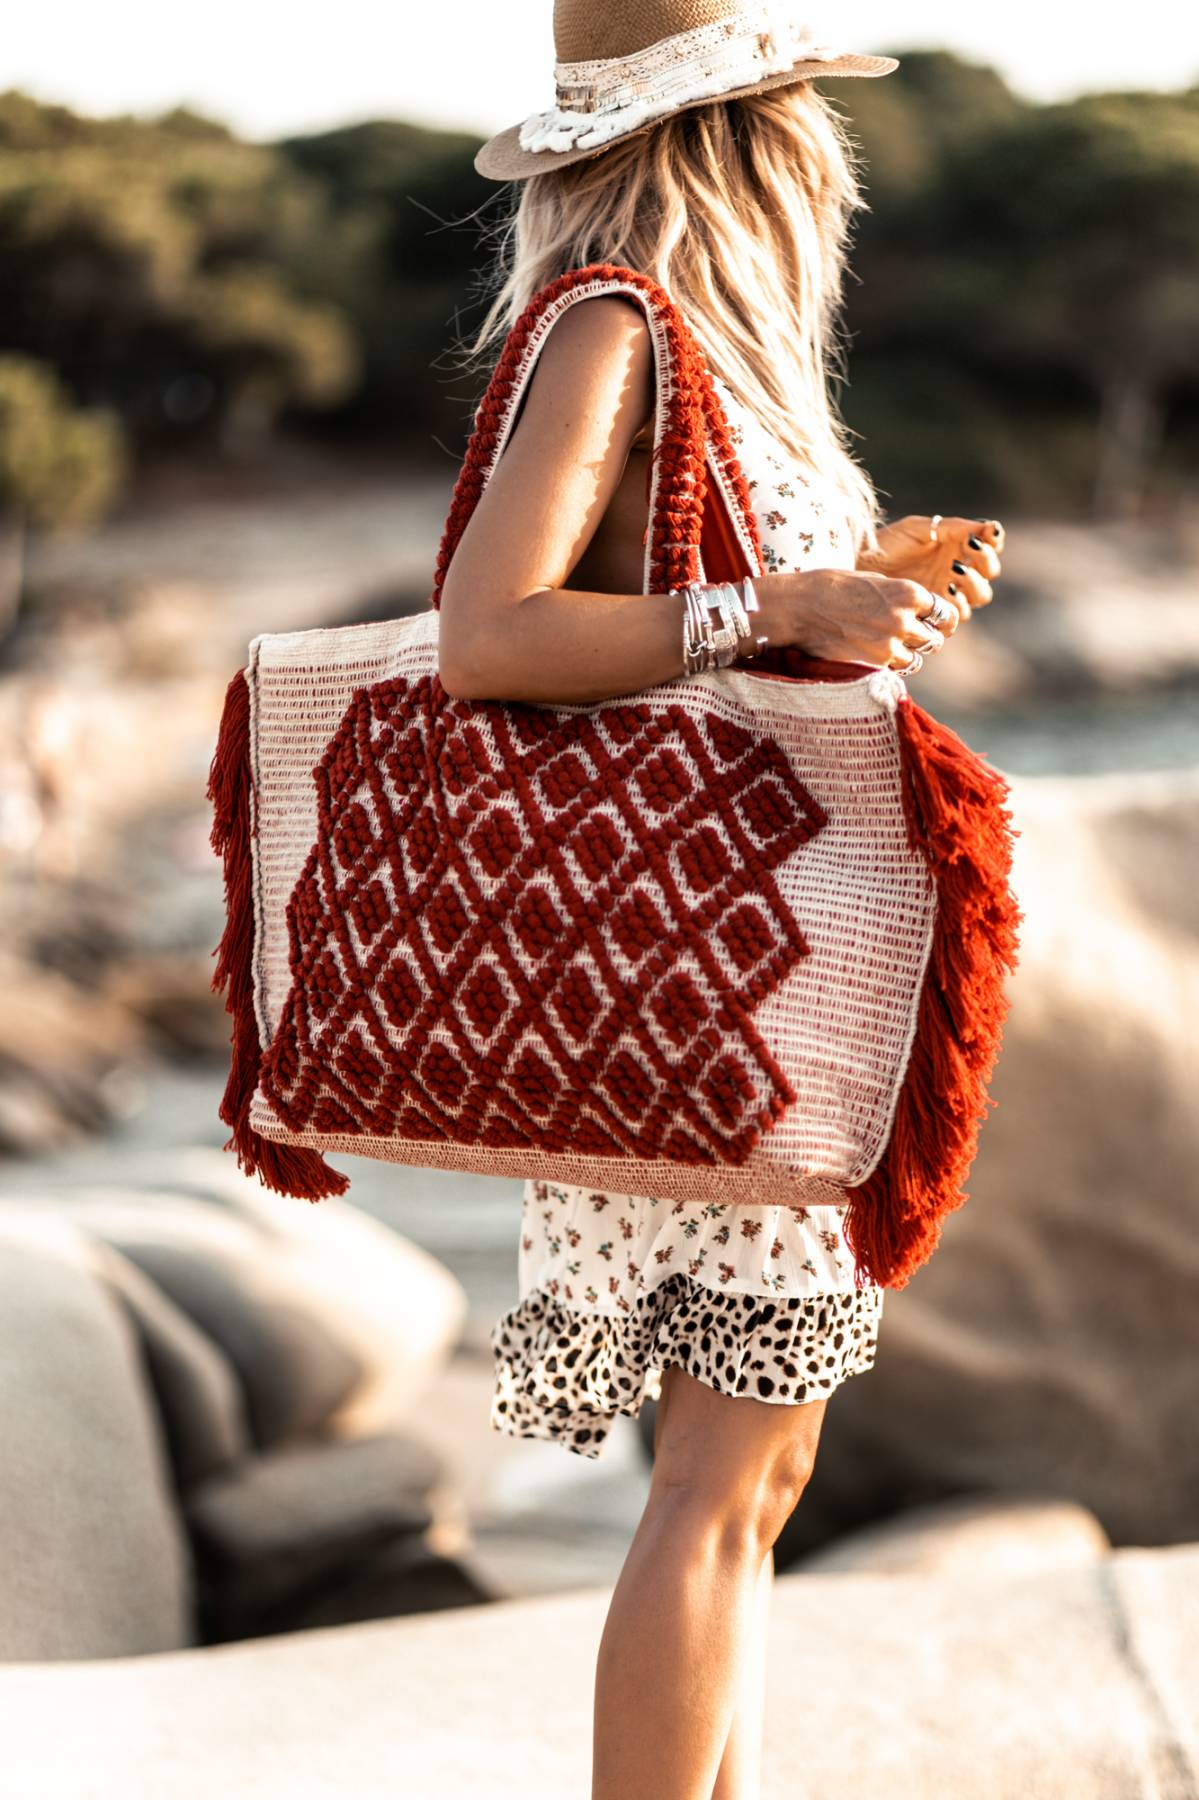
(741, 209)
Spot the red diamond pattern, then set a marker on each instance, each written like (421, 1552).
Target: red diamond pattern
(523, 926)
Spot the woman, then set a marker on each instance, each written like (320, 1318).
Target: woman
(690, 145)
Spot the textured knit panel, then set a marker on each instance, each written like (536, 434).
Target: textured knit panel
(840, 1022)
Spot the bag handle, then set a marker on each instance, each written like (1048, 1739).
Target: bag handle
(702, 525)
(691, 431)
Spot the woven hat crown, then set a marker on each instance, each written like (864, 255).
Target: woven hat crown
(592, 30)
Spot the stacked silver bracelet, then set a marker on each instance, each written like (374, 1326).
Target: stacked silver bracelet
(714, 646)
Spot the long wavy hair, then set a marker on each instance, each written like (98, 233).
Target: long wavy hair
(742, 210)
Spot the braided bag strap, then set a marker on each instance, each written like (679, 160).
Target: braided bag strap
(689, 424)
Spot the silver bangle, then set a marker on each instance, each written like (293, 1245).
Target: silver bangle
(699, 643)
(695, 649)
(739, 614)
(726, 637)
(707, 645)
(699, 649)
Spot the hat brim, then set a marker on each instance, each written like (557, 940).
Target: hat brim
(502, 159)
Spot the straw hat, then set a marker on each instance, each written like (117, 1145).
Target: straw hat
(623, 64)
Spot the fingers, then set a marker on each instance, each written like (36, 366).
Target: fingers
(970, 586)
(917, 622)
(916, 629)
(942, 612)
(977, 544)
(923, 637)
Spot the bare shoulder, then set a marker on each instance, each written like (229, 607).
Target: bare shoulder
(590, 392)
(597, 362)
(600, 326)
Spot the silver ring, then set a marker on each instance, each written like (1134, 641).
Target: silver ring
(933, 524)
(915, 665)
(941, 612)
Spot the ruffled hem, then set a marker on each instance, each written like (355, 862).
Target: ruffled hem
(565, 1374)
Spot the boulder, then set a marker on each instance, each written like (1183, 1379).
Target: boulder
(232, 1367)
(199, 1397)
(1051, 1343)
(331, 1321)
(1069, 1684)
(286, 1522)
(1015, 1535)
(94, 1561)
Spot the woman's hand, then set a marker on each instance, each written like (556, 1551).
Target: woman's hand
(847, 615)
(955, 557)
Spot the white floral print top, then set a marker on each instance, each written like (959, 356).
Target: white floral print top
(800, 527)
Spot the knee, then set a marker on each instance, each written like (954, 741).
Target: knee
(781, 1489)
(742, 1509)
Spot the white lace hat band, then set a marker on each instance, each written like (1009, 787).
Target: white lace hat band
(598, 100)
(724, 49)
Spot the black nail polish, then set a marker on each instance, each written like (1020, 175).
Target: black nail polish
(951, 589)
(959, 568)
(975, 543)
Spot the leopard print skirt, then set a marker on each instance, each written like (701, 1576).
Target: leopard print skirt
(754, 1301)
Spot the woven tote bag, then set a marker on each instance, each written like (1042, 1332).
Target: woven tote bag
(738, 937)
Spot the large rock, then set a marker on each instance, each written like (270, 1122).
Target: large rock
(93, 1559)
(299, 1516)
(238, 1365)
(1071, 1685)
(332, 1321)
(1051, 1345)
(199, 1396)
(1020, 1535)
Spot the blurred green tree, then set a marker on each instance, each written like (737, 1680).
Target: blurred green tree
(1022, 306)
(905, 123)
(429, 207)
(1098, 262)
(1061, 247)
(60, 467)
(158, 266)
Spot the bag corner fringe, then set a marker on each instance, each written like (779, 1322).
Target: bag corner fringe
(955, 805)
(288, 1169)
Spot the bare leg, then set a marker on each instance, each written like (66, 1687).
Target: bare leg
(740, 1776)
(681, 1624)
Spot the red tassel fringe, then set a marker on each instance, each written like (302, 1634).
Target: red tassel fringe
(289, 1170)
(957, 818)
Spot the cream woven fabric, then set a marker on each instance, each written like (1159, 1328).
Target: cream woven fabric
(841, 1022)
